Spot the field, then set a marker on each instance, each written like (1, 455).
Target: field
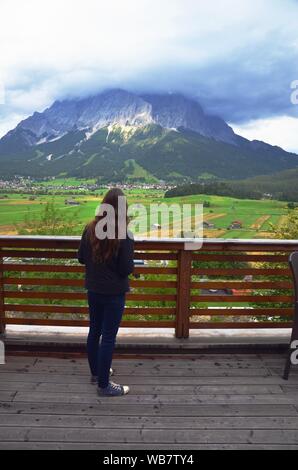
(256, 217)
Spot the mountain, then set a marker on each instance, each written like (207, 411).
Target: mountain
(122, 108)
(117, 135)
(280, 186)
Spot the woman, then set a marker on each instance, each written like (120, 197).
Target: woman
(108, 262)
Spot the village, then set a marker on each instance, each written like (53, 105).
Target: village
(28, 185)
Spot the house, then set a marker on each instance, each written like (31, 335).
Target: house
(208, 225)
(236, 224)
(244, 291)
(71, 202)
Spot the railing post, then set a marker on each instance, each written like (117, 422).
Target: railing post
(2, 308)
(183, 294)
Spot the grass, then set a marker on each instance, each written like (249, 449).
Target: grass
(222, 211)
(138, 172)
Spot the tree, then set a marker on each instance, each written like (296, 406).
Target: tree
(287, 231)
(51, 221)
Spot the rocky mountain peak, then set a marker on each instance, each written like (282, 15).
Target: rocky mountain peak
(117, 106)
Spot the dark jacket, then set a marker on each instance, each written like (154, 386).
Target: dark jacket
(110, 277)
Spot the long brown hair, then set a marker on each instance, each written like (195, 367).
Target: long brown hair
(104, 250)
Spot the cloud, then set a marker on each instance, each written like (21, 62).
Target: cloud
(281, 131)
(10, 122)
(237, 61)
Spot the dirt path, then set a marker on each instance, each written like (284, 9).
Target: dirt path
(214, 216)
(8, 230)
(260, 222)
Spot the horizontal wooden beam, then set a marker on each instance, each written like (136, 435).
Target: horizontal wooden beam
(66, 268)
(239, 325)
(256, 299)
(71, 310)
(222, 257)
(247, 312)
(242, 285)
(241, 272)
(148, 284)
(85, 323)
(82, 296)
(150, 243)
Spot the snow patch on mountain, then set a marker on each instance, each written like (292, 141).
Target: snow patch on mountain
(124, 109)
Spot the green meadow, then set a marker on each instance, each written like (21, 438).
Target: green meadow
(256, 217)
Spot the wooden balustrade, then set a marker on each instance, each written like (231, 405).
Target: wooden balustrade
(41, 283)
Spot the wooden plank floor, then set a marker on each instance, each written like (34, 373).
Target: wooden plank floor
(206, 402)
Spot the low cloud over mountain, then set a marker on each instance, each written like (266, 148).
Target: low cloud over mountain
(118, 135)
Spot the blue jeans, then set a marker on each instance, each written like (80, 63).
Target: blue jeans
(105, 313)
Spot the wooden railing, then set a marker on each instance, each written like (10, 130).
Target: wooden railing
(41, 283)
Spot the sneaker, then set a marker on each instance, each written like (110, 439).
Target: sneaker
(94, 378)
(113, 390)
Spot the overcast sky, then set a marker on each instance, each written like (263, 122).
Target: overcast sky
(237, 57)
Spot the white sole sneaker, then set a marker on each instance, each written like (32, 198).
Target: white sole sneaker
(113, 390)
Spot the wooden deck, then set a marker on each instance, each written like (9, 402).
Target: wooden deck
(207, 402)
